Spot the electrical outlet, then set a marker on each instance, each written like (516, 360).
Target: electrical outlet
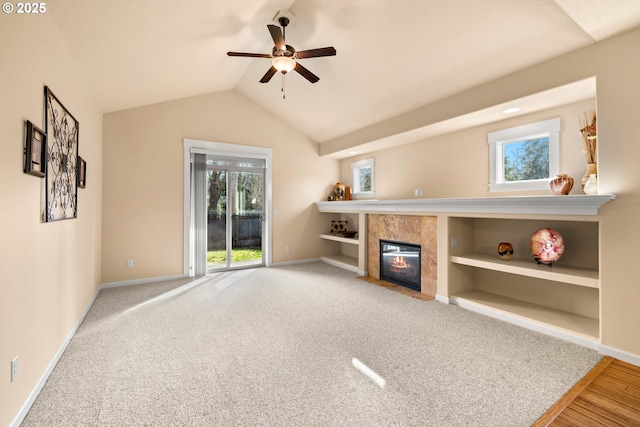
(130, 262)
(287, 248)
(454, 242)
(14, 368)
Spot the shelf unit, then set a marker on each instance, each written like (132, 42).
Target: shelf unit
(561, 300)
(347, 252)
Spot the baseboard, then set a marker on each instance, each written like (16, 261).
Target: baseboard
(443, 299)
(634, 359)
(141, 281)
(17, 420)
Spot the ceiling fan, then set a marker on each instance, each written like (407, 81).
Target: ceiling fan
(285, 57)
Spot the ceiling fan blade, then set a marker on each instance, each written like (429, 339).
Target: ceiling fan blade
(249, 55)
(314, 53)
(306, 73)
(268, 75)
(276, 35)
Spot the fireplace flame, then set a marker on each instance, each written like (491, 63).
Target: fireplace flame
(399, 262)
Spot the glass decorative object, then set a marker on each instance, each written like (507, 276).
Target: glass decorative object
(591, 187)
(505, 250)
(547, 246)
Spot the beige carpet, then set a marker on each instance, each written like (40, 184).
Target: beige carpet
(302, 345)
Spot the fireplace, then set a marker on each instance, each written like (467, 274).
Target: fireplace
(400, 263)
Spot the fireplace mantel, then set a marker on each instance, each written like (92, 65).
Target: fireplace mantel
(536, 205)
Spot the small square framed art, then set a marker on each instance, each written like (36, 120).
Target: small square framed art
(35, 150)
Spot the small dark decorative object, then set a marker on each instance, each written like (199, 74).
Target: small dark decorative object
(62, 160)
(339, 227)
(82, 172)
(35, 160)
(505, 250)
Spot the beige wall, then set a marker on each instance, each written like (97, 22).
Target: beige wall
(456, 165)
(49, 271)
(143, 180)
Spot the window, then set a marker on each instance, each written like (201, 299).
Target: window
(524, 157)
(362, 179)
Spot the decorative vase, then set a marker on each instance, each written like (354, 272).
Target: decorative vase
(547, 246)
(592, 168)
(505, 250)
(347, 193)
(561, 184)
(338, 191)
(591, 187)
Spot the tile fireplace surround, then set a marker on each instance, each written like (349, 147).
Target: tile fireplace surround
(420, 230)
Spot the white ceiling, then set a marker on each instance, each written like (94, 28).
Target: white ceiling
(392, 56)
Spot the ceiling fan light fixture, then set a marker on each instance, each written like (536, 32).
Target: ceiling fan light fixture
(284, 64)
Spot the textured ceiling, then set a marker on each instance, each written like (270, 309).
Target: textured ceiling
(392, 56)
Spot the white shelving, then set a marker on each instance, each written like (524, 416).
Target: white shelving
(580, 204)
(560, 300)
(560, 273)
(347, 252)
(349, 240)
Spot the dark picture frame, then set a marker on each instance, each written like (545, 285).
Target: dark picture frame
(35, 150)
(62, 131)
(82, 172)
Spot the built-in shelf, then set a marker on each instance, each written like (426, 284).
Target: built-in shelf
(534, 205)
(558, 272)
(573, 327)
(349, 240)
(560, 300)
(346, 252)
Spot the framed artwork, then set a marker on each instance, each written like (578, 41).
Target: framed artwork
(35, 151)
(82, 172)
(62, 160)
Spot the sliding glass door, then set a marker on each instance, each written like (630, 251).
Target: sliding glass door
(227, 212)
(235, 212)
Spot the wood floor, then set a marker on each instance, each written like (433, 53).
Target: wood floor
(609, 395)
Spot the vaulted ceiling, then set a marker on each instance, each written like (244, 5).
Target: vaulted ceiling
(392, 56)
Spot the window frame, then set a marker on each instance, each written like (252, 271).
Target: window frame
(547, 128)
(355, 178)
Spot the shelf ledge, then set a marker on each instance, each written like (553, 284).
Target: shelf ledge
(543, 205)
(349, 240)
(559, 273)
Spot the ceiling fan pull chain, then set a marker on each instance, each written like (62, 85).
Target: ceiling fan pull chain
(282, 86)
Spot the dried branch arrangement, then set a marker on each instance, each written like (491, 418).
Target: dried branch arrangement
(589, 133)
